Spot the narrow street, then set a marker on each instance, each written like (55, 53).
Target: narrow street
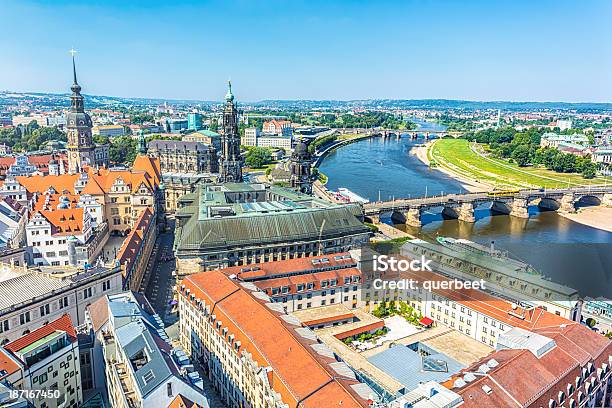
(158, 286)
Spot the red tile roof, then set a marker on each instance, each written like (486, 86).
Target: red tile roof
(62, 324)
(132, 243)
(40, 184)
(65, 221)
(8, 364)
(183, 402)
(329, 319)
(522, 379)
(270, 269)
(273, 343)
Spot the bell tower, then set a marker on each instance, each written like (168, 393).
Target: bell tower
(230, 166)
(78, 124)
(300, 168)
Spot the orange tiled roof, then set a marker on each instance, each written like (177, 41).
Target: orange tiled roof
(523, 379)
(40, 184)
(183, 402)
(51, 201)
(270, 269)
(106, 178)
(131, 244)
(98, 312)
(62, 324)
(8, 365)
(149, 165)
(273, 343)
(65, 221)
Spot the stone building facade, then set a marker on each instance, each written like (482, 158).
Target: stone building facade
(184, 157)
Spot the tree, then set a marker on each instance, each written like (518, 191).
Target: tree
(521, 155)
(143, 117)
(122, 150)
(258, 157)
(589, 171)
(214, 126)
(32, 126)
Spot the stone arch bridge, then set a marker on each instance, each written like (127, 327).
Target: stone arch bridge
(461, 206)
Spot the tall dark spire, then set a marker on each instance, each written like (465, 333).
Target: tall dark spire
(76, 99)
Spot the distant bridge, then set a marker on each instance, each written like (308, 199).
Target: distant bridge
(461, 206)
(384, 133)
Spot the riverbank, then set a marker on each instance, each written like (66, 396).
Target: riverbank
(469, 185)
(599, 217)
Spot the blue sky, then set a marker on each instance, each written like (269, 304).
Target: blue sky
(539, 50)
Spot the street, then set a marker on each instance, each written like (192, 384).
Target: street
(158, 286)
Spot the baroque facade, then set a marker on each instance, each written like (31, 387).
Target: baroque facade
(184, 157)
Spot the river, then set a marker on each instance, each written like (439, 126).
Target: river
(565, 251)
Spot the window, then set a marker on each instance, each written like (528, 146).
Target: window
(114, 200)
(169, 389)
(24, 318)
(114, 211)
(106, 285)
(4, 326)
(87, 293)
(63, 302)
(44, 310)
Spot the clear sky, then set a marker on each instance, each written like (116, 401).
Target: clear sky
(537, 50)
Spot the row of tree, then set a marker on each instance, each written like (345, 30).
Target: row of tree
(361, 120)
(524, 149)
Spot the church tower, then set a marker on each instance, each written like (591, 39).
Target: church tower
(78, 124)
(230, 166)
(299, 166)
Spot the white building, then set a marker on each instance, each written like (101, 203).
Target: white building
(140, 365)
(564, 124)
(21, 167)
(11, 188)
(32, 297)
(554, 140)
(278, 127)
(108, 130)
(13, 219)
(254, 137)
(250, 136)
(46, 359)
(53, 236)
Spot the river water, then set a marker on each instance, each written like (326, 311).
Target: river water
(565, 251)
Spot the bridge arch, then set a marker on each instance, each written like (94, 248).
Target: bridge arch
(501, 207)
(588, 200)
(548, 204)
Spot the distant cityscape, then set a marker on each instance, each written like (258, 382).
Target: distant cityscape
(193, 254)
